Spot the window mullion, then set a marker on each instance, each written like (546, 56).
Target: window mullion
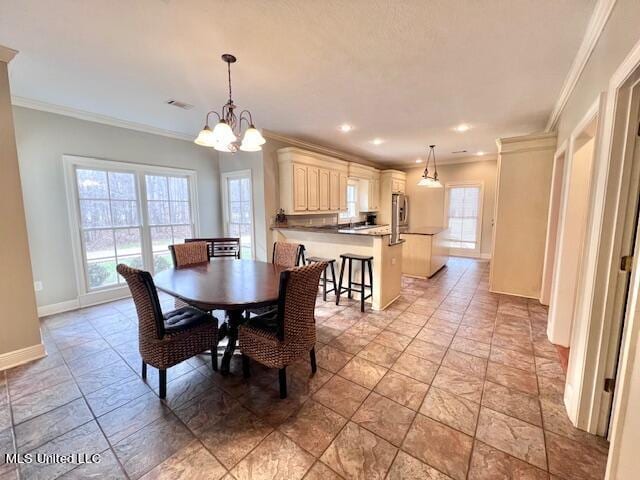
(145, 229)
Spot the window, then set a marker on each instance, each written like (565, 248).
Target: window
(238, 209)
(351, 213)
(169, 214)
(110, 224)
(464, 211)
(126, 213)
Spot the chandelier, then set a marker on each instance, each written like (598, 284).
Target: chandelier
(224, 136)
(430, 181)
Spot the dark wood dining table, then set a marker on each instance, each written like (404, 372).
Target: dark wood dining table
(224, 284)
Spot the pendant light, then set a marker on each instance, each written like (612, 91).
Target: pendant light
(224, 136)
(430, 181)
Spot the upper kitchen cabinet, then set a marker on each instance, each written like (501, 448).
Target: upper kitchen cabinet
(368, 179)
(311, 182)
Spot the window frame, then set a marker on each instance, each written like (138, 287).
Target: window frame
(224, 177)
(356, 186)
(86, 295)
(466, 252)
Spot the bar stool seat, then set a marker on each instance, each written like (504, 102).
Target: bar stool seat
(324, 280)
(365, 261)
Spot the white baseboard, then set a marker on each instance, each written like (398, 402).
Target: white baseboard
(24, 355)
(512, 294)
(55, 308)
(485, 256)
(88, 300)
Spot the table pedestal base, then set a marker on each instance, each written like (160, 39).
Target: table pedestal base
(235, 319)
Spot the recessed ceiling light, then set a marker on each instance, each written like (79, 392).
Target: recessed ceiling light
(377, 141)
(345, 128)
(463, 127)
(418, 160)
(480, 153)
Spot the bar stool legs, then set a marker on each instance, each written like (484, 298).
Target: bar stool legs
(324, 280)
(364, 262)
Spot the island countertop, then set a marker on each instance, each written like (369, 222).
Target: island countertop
(371, 230)
(424, 230)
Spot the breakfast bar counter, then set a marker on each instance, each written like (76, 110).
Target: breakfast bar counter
(331, 242)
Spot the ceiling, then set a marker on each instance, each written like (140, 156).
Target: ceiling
(406, 72)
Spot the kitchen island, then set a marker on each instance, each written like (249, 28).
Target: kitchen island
(332, 241)
(425, 252)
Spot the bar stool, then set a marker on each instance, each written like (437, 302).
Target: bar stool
(324, 280)
(364, 260)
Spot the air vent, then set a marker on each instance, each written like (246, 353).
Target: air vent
(460, 151)
(179, 104)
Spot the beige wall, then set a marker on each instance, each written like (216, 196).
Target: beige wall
(426, 207)
(19, 324)
(524, 183)
(43, 138)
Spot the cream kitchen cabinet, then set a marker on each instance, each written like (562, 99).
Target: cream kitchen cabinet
(323, 189)
(343, 192)
(299, 188)
(310, 182)
(398, 185)
(313, 188)
(334, 190)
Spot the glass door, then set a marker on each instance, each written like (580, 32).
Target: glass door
(238, 209)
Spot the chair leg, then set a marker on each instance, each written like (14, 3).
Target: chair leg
(246, 368)
(370, 280)
(349, 293)
(339, 291)
(214, 357)
(282, 375)
(362, 289)
(144, 370)
(324, 285)
(163, 383)
(333, 277)
(312, 357)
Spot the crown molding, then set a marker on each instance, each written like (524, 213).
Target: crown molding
(331, 152)
(95, 117)
(595, 27)
(7, 54)
(489, 157)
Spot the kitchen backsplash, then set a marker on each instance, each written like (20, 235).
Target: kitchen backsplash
(316, 219)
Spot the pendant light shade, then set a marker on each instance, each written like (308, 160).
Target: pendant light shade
(223, 134)
(205, 137)
(430, 181)
(224, 137)
(252, 140)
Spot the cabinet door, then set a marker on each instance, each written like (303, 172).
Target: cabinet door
(313, 181)
(334, 190)
(375, 194)
(343, 192)
(324, 189)
(299, 187)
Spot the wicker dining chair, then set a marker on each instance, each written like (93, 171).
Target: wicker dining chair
(167, 339)
(277, 339)
(220, 247)
(284, 255)
(288, 254)
(186, 255)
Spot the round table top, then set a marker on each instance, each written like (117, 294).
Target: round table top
(223, 284)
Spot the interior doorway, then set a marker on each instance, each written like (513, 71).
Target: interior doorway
(555, 204)
(569, 253)
(627, 258)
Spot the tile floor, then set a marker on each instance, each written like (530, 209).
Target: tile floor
(450, 382)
